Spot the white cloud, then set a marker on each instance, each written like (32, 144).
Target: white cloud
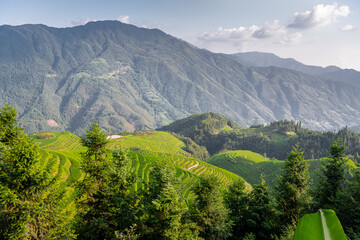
(348, 28)
(270, 29)
(242, 38)
(124, 19)
(294, 38)
(80, 21)
(229, 34)
(320, 15)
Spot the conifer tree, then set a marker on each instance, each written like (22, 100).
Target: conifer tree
(105, 197)
(253, 213)
(30, 197)
(235, 201)
(10, 129)
(332, 178)
(291, 192)
(208, 210)
(163, 207)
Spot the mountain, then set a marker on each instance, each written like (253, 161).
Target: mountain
(259, 59)
(131, 78)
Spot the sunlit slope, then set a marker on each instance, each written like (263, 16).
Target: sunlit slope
(251, 166)
(62, 151)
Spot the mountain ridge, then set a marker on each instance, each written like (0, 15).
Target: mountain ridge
(260, 59)
(130, 78)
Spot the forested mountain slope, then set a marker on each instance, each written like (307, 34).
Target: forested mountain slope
(133, 78)
(275, 140)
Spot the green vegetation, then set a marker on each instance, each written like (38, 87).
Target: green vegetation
(145, 185)
(322, 225)
(275, 140)
(32, 195)
(291, 191)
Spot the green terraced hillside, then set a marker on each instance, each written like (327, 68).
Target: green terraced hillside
(251, 166)
(62, 151)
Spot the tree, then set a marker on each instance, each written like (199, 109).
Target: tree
(106, 202)
(163, 207)
(208, 210)
(235, 201)
(30, 197)
(291, 192)
(94, 162)
(253, 213)
(348, 208)
(10, 131)
(107, 208)
(332, 178)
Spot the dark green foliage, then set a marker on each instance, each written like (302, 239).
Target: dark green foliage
(105, 198)
(208, 210)
(347, 206)
(275, 140)
(10, 132)
(235, 200)
(291, 192)
(252, 212)
(163, 208)
(30, 198)
(332, 179)
(192, 147)
(109, 208)
(200, 127)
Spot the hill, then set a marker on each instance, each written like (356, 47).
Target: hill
(274, 140)
(251, 166)
(131, 78)
(62, 150)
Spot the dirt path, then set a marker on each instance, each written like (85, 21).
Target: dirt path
(197, 164)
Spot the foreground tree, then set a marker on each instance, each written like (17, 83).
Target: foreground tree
(235, 201)
(105, 198)
(163, 208)
(291, 192)
(332, 179)
(348, 208)
(253, 213)
(208, 210)
(30, 197)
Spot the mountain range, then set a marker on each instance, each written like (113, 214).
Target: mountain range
(131, 78)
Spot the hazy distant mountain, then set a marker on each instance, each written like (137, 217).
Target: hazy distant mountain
(260, 59)
(133, 78)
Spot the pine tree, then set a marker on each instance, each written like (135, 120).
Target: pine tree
(208, 210)
(253, 213)
(10, 130)
(235, 201)
(163, 207)
(30, 197)
(105, 197)
(332, 178)
(291, 192)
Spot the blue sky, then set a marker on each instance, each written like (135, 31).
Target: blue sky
(314, 32)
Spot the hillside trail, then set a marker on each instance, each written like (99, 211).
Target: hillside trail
(197, 164)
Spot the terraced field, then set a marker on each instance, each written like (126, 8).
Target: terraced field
(251, 166)
(62, 152)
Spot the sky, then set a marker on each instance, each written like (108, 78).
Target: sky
(321, 33)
